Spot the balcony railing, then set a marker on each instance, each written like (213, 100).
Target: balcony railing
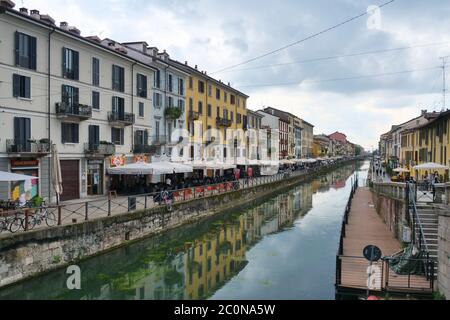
(159, 140)
(144, 148)
(121, 119)
(222, 122)
(193, 115)
(76, 111)
(30, 147)
(100, 149)
(173, 113)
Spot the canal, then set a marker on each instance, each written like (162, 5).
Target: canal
(283, 248)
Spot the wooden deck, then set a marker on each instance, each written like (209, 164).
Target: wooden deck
(366, 227)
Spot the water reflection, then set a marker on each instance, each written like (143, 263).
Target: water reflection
(206, 259)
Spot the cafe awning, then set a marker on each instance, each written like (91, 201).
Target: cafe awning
(430, 166)
(154, 168)
(8, 176)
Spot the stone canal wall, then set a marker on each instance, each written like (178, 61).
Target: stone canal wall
(444, 253)
(392, 211)
(29, 254)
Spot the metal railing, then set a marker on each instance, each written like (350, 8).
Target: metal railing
(105, 149)
(381, 278)
(193, 115)
(223, 122)
(123, 118)
(144, 148)
(75, 110)
(27, 146)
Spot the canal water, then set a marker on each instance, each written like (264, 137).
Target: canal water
(284, 248)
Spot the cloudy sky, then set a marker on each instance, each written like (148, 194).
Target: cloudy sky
(217, 34)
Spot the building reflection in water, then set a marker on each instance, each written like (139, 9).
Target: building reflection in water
(192, 265)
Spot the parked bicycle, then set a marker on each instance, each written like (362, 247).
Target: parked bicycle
(40, 216)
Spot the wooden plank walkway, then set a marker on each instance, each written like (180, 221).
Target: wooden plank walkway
(366, 227)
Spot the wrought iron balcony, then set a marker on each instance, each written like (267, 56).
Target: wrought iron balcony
(173, 113)
(159, 140)
(28, 147)
(117, 119)
(222, 122)
(144, 148)
(193, 115)
(78, 112)
(99, 149)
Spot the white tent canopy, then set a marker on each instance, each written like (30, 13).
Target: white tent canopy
(8, 176)
(155, 168)
(431, 166)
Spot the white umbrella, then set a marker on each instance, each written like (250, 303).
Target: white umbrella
(8, 176)
(155, 168)
(400, 170)
(57, 177)
(431, 166)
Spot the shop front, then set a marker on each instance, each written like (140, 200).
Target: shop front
(95, 177)
(25, 190)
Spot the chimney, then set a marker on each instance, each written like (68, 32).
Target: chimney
(48, 19)
(424, 112)
(64, 25)
(23, 10)
(185, 63)
(7, 4)
(74, 30)
(94, 38)
(35, 14)
(228, 84)
(196, 67)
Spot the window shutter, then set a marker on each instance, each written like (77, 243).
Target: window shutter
(16, 85)
(112, 136)
(113, 77)
(122, 79)
(76, 61)
(75, 96)
(145, 137)
(32, 53)
(27, 87)
(64, 62)
(122, 136)
(63, 132)
(75, 133)
(16, 51)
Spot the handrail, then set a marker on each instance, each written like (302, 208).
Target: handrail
(416, 218)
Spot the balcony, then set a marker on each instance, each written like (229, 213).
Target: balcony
(159, 140)
(28, 148)
(193, 115)
(99, 150)
(144, 148)
(222, 122)
(77, 112)
(121, 120)
(173, 113)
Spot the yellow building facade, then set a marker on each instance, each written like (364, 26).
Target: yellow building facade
(213, 106)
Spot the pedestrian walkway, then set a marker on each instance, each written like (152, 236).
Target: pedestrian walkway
(365, 227)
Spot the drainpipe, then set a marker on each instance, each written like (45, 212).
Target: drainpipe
(49, 114)
(132, 105)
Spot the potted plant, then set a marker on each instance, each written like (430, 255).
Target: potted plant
(38, 201)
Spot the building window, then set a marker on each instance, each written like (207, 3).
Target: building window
(209, 110)
(141, 109)
(156, 100)
(69, 132)
(156, 130)
(117, 136)
(21, 86)
(118, 78)
(218, 112)
(141, 86)
(141, 137)
(118, 106)
(238, 118)
(191, 83)
(70, 96)
(191, 104)
(180, 87)
(218, 94)
(169, 102)
(200, 107)
(70, 64)
(201, 86)
(22, 134)
(225, 96)
(232, 99)
(170, 83)
(158, 79)
(181, 105)
(95, 72)
(231, 116)
(209, 90)
(95, 100)
(25, 51)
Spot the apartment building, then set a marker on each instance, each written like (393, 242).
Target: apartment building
(254, 143)
(216, 117)
(307, 139)
(92, 100)
(270, 125)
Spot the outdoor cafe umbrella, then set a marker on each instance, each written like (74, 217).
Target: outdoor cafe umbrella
(399, 170)
(9, 177)
(431, 166)
(57, 177)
